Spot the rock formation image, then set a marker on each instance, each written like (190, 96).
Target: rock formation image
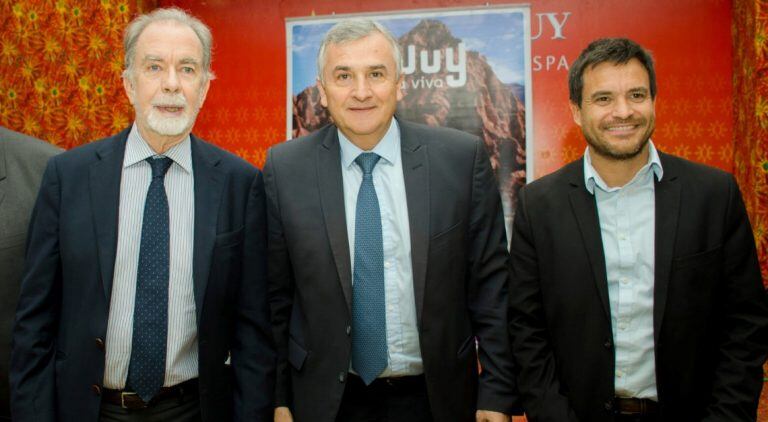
(447, 85)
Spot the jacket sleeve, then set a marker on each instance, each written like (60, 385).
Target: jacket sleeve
(536, 366)
(33, 352)
(488, 292)
(280, 285)
(743, 336)
(253, 354)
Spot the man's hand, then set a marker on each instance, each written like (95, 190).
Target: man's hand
(283, 414)
(491, 416)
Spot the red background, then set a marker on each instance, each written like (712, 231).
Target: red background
(690, 40)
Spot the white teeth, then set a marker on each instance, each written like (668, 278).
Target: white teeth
(620, 127)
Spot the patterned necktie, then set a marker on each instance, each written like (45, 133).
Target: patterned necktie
(369, 339)
(146, 371)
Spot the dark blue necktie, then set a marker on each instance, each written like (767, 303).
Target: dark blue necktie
(369, 338)
(146, 371)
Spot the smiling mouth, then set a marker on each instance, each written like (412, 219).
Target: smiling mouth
(169, 109)
(361, 108)
(622, 128)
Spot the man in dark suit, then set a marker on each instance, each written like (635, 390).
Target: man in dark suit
(387, 256)
(637, 292)
(144, 294)
(22, 160)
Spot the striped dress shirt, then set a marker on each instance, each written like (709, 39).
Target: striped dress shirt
(181, 350)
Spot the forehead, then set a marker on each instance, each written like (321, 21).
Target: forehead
(616, 76)
(371, 50)
(165, 38)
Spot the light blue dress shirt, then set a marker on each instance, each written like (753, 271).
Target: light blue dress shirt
(404, 353)
(627, 225)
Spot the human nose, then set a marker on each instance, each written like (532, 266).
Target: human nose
(362, 89)
(171, 81)
(622, 109)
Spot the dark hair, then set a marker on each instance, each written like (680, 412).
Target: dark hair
(612, 50)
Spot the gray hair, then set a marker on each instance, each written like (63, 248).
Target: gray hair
(140, 23)
(353, 30)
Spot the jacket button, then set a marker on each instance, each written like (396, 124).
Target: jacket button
(608, 344)
(96, 389)
(100, 344)
(348, 329)
(342, 376)
(609, 405)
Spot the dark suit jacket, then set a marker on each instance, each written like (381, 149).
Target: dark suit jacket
(57, 365)
(460, 278)
(22, 161)
(709, 304)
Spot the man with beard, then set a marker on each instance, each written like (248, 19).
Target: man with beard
(636, 289)
(144, 295)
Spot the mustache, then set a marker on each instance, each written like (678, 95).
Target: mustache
(175, 100)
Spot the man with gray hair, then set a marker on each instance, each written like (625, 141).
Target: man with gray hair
(144, 294)
(387, 256)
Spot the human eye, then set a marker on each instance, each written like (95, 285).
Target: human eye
(377, 74)
(188, 70)
(153, 67)
(638, 97)
(602, 100)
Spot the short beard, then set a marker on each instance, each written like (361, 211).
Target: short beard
(601, 149)
(168, 126)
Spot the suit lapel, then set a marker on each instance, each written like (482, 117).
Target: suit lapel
(416, 175)
(331, 186)
(209, 181)
(105, 175)
(3, 172)
(667, 211)
(585, 210)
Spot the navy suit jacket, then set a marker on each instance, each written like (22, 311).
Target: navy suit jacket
(57, 362)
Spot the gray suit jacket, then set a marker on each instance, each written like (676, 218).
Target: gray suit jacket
(22, 161)
(459, 256)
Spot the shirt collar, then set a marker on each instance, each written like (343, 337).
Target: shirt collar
(592, 178)
(388, 147)
(137, 150)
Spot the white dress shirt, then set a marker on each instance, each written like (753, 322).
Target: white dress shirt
(404, 354)
(181, 350)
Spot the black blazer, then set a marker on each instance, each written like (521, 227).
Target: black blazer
(709, 311)
(459, 259)
(57, 365)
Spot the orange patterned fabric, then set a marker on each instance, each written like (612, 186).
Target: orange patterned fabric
(750, 46)
(60, 66)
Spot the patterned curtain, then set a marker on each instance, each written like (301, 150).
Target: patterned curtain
(60, 66)
(750, 47)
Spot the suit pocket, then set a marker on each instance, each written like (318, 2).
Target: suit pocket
(706, 258)
(447, 232)
(468, 345)
(231, 238)
(296, 354)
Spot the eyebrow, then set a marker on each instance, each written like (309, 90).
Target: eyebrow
(348, 68)
(605, 92)
(185, 60)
